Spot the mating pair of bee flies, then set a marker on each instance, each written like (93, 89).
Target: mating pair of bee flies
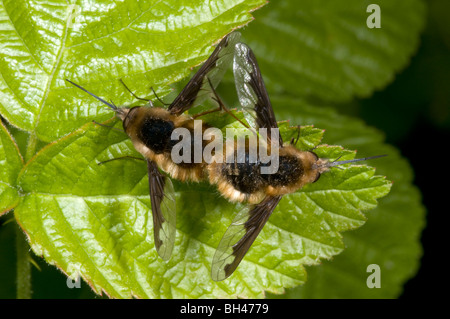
(150, 130)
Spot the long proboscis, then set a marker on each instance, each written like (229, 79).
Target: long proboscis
(92, 94)
(336, 162)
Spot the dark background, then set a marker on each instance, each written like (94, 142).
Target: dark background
(414, 112)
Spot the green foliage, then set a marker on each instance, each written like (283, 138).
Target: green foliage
(81, 219)
(390, 236)
(323, 50)
(154, 43)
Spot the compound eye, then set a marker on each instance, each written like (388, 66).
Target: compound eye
(317, 178)
(129, 117)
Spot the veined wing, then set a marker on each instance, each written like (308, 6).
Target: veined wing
(198, 89)
(163, 204)
(239, 236)
(251, 90)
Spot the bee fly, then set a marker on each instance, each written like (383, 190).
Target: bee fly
(150, 129)
(244, 182)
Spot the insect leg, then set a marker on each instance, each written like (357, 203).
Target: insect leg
(132, 93)
(114, 128)
(157, 97)
(295, 141)
(207, 112)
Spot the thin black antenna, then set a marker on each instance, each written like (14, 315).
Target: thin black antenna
(98, 98)
(336, 162)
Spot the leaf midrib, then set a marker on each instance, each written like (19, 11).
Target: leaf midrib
(51, 76)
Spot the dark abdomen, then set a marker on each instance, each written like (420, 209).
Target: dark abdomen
(290, 170)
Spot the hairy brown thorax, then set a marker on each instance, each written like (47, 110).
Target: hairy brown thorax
(150, 129)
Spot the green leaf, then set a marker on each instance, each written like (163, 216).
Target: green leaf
(391, 236)
(324, 50)
(11, 163)
(143, 42)
(81, 219)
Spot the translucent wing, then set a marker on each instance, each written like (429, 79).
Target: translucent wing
(198, 89)
(251, 90)
(163, 203)
(239, 236)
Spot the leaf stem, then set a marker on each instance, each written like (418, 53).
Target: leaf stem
(23, 275)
